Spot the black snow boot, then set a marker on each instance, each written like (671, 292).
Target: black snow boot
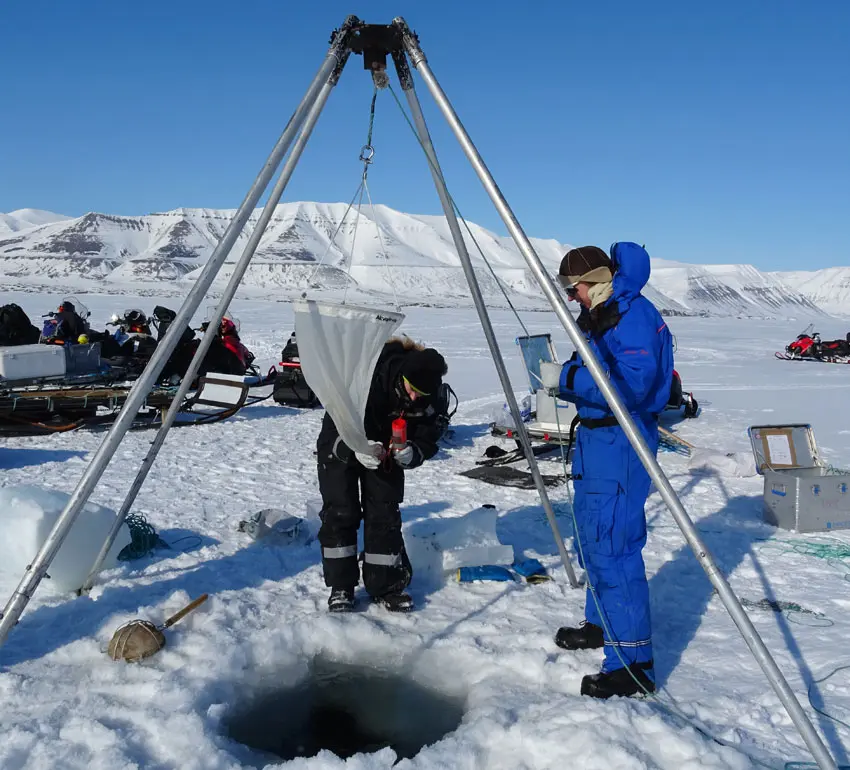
(341, 600)
(621, 682)
(588, 636)
(395, 602)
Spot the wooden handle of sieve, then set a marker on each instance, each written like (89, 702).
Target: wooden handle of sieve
(674, 437)
(185, 611)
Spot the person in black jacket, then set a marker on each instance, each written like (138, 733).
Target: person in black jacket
(69, 323)
(356, 486)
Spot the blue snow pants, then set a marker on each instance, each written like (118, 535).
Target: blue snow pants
(609, 509)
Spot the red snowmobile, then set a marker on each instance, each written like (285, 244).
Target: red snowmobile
(810, 347)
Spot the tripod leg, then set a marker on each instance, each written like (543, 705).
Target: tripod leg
(481, 307)
(745, 626)
(139, 392)
(221, 309)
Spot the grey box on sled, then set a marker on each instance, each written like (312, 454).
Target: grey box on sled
(801, 493)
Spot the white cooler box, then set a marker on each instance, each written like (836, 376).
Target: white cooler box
(28, 362)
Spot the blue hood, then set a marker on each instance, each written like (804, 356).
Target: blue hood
(632, 262)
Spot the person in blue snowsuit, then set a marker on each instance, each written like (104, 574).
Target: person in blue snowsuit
(632, 342)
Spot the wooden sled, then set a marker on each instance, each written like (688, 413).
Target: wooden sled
(40, 411)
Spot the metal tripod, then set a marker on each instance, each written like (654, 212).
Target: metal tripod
(375, 43)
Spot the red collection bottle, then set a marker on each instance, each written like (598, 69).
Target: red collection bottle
(399, 438)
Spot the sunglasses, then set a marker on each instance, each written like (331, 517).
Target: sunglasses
(568, 287)
(414, 388)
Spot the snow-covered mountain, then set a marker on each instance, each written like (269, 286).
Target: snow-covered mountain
(306, 244)
(829, 288)
(24, 219)
(729, 290)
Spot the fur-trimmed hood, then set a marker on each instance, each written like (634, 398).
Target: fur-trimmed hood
(406, 343)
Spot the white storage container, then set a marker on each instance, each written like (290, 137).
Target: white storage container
(801, 492)
(28, 362)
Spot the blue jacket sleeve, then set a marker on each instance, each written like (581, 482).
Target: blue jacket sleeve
(632, 368)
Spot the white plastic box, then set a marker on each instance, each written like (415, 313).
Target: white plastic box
(28, 362)
(440, 546)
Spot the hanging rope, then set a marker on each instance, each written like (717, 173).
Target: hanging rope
(310, 282)
(457, 210)
(367, 154)
(383, 246)
(354, 234)
(368, 151)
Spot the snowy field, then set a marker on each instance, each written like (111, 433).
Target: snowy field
(64, 704)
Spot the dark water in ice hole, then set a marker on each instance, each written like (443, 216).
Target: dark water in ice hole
(345, 709)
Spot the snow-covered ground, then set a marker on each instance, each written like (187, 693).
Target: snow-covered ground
(64, 704)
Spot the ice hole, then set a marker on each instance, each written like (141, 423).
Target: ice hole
(346, 709)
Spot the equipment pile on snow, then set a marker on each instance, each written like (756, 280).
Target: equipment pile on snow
(70, 376)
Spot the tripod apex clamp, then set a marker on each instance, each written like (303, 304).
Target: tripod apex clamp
(373, 41)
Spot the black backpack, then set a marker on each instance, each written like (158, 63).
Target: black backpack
(15, 326)
(445, 404)
(440, 408)
(164, 316)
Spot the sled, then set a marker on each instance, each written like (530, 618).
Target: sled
(811, 359)
(41, 410)
(667, 440)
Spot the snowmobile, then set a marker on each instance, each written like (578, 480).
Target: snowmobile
(66, 324)
(132, 345)
(810, 347)
(129, 348)
(290, 387)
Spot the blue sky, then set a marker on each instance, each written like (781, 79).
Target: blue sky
(713, 132)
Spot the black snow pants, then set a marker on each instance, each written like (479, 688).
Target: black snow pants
(350, 493)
